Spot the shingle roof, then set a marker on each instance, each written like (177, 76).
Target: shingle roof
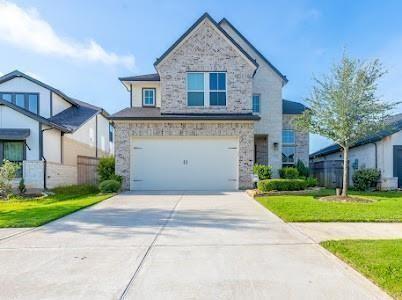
(394, 124)
(14, 133)
(146, 77)
(17, 73)
(74, 117)
(224, 20)
(292, 108)
(154, 113)
(206, 16)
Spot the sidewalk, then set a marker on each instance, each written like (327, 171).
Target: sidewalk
(319, 232)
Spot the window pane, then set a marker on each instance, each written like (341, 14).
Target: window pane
(195, 98)
(7, 97)
(288, 137)
(256, 103)
(221, 98)
(20, 100)
(288, 154)
(213, 81)
(14, 151)
(195, 81)
(33, 103)
(213, 98)
(222, 81)
(149, 97)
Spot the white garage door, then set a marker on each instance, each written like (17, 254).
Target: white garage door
(184, 163)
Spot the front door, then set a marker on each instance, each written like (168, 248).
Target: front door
(398, 164)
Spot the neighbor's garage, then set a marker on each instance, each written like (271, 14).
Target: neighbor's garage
(184, 163)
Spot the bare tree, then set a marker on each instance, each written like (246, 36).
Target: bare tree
(344, 106)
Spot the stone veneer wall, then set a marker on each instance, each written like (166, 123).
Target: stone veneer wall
(60, 175)
(33, 173)
(205, 50)
(302, 139)
(124, 130)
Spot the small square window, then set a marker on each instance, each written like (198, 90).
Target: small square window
(148, 97)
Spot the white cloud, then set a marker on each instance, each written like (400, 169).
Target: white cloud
(26, 29)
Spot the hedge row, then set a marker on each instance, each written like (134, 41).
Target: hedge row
(282, 185)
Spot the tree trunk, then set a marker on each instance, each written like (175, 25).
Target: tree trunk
(345, 171)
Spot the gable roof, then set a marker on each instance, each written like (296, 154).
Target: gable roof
(17, 73)
(394, 124)
(292, 108)
(73, 117)
(224, 20)
(202, 18)
(34, 116)
(146, 77)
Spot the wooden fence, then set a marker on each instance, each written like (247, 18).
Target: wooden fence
(87, 170)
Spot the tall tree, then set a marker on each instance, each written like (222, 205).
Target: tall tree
(344, 106)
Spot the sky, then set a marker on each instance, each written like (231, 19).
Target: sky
(82, 47)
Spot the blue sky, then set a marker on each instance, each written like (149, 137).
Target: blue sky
(81, 47)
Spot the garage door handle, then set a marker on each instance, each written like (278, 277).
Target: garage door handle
(231, 179)
(232, 148)
(135, 148)
(185, 162)
(137, 180)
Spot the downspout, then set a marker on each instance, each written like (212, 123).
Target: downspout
(96, 136)
(375, 155)
(131, 95)
(41, 156)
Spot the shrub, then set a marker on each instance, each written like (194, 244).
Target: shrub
(288, 173)
(365, 179)
(8, 172)
(109, 186)
(282, 185)
(311, 181)
(262, 171)
(21, 186)
(302, 169)
(106, 168)
(76, 190)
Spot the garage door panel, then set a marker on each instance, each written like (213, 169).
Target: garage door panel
(188, 163)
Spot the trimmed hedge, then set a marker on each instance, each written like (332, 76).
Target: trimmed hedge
(262, 171)
(109, 186)
(282, 185)
(288, 173)
(311, 181)
(365, 179)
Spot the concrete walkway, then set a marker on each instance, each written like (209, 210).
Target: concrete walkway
(319, 232)
(174, 246)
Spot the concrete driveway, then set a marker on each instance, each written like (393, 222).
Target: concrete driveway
(174, 246)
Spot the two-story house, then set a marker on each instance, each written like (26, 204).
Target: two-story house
(212, 110)
(45, 131)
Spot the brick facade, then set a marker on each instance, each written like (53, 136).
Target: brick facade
(124, 130)
(205, 49)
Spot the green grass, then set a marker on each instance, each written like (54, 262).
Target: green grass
(387, 207)
(26, 212)
(379, 260)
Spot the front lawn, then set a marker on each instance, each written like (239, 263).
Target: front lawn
(19, 212)
(380, 261)
(387, 207)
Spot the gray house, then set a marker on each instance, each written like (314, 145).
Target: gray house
(382, 151)
(212, 110)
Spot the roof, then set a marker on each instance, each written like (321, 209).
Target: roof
(394, 124)
(154, 113)
(74, 117)
(17, 73)
(224, 20)
(15, 134)
(202, 18)
(146, 77)
(292, 108)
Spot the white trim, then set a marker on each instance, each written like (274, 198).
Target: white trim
(153, 96)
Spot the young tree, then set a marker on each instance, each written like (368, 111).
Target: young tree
(344, 106)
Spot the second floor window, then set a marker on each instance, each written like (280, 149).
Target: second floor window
(148, 97)
(256, 103)
(28, 101)
(288, 137)
(206, 89)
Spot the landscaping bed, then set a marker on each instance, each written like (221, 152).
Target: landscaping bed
(378, 260)
(32, 212)
(385, 207)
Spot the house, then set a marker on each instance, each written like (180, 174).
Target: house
(212, 110)
(382, 151)
(45, 130)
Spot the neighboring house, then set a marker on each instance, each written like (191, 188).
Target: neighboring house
(211, 111)
(382, 151)
(45, 131)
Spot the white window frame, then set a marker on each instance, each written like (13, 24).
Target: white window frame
(153, 98)
(207, 89)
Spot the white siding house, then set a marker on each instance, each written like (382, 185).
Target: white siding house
(45, 131)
